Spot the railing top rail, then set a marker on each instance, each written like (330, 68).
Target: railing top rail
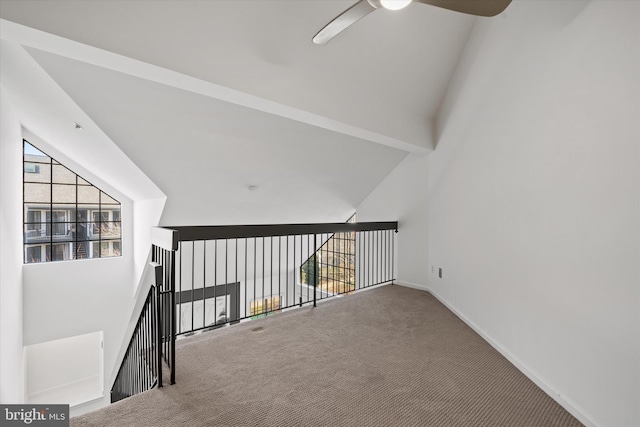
(166, 238)
(210, 232)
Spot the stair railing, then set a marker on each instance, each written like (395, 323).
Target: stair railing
(140, 370)
(226, 274)
(207, 277)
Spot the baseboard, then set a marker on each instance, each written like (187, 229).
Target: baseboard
(566, 403)
(74, 393)
(90, 406)
(413, 286)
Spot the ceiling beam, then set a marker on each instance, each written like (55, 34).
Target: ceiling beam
(41, 40)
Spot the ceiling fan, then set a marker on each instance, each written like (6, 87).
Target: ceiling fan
(365, 7)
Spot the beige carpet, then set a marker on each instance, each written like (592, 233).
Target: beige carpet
(390, 356)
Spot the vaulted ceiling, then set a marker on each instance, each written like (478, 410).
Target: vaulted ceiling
(209, 98)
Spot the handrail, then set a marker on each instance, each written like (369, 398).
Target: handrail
(140, 369)
(210, 232)
(154, 335)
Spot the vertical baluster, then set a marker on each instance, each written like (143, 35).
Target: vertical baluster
(136, 362)
(335, 263)
(393, 256)
(296, 270)
(215, 281)
(368, 239)
(342, 249)
(172, 301)
(159, 334)
(384, 255)
(152, 360)
(383, 259)
(193, 275)
(287, 275)
(204, 284)
(154, 332)
(271, 272)
(264, 308)
(246, 244)
(388, 246)
(279, 270)
(343, 262)
(358, 259)
(375, 257)
(352, 242)
(165, 353)
(180, 289)
(139, 371)
(149, 355)
(237, 285)
(374, 253)
(226, 279)
(315, 268)
(389, 254)
(319, 260)
(379, 233)
(255, 255)
(378, 263)
(145, 348)
(308, 256)
(145, 329)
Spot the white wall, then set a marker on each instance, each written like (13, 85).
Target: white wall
(11, 365)
(146, 214)
(66, 371)
(401, 197)
(63, 299)
(69, 298)
(533, 200)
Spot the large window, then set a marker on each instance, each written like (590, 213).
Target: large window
(65, 217)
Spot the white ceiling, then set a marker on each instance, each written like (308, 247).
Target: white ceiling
(205, 153)
(327, 121)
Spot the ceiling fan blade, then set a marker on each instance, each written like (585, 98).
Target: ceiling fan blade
(346, 18)
(472, 7)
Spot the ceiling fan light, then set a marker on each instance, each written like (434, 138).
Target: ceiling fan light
(395, 4)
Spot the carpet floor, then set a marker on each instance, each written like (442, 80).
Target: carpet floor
(389, 356)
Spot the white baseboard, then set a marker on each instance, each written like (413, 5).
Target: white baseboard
(413, 286)
(563, 401)
(90, 406)
(74, 393)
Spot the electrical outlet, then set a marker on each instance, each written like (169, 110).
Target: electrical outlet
(440, 272)
(433, 269)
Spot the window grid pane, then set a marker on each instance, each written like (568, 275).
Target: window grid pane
(36, 172)
(62, 175)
